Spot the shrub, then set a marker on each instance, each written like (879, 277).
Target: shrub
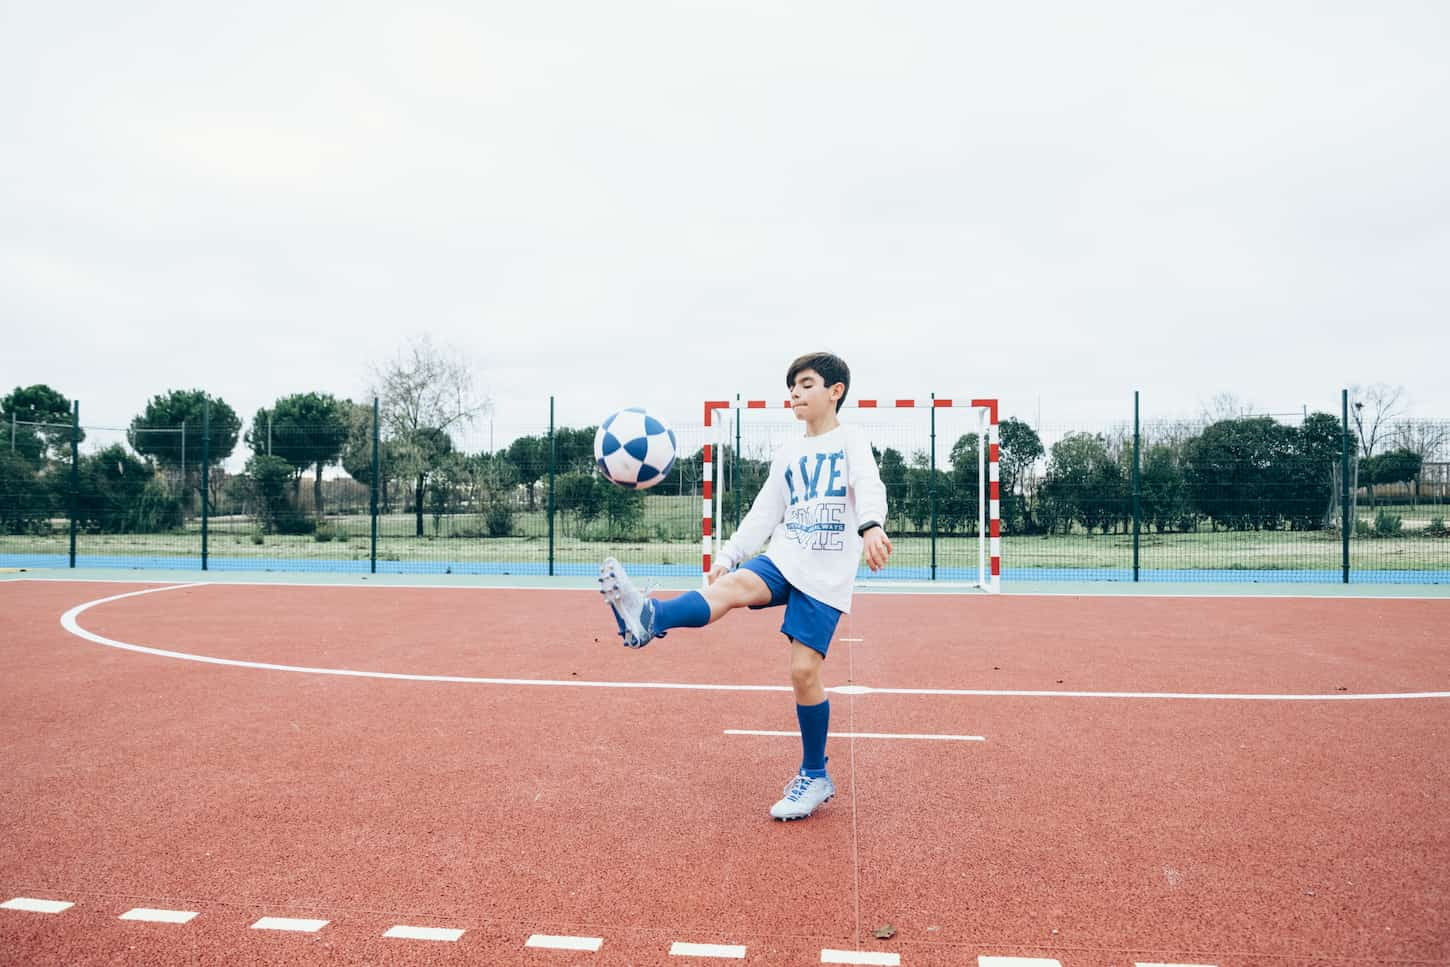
(25, 497)
(157, 509)
(270, 480)
(119, 494)
(499, 519)
(1362, 528)
(293, 522)
(1387, 524)
(1437, 528)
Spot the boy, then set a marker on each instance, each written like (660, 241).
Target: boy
(821, 507)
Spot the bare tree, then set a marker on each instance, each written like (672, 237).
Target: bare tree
(1170, 433)
(425, 392)
(1226, 406)
(1424, 437)
(1371, 410)
(1427, 439)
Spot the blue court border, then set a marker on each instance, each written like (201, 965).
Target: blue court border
(864, 576)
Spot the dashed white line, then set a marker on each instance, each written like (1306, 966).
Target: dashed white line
(872, 957)
(732, 951)
(158, 916)
(30, 905)
(1017, 962)
(288, 923)
(548, 942)
(865, 735)
(423, 933)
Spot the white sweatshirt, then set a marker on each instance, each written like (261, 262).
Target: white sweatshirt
(820, 489)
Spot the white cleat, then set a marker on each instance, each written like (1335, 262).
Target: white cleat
(802, 795)
(633, 612)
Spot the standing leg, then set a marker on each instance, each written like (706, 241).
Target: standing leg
(812, 708)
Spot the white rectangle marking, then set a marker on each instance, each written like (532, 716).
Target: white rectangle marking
(36, 906)
(1017, 962)
(678, 949)
(564, 943)
(860, 957)
(158, 916)
(287, 923)
(864, 735)
(853, 639)
(422, 933)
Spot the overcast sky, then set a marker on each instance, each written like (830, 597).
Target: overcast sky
(657, 203)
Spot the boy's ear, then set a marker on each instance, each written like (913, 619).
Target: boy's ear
(837, 391)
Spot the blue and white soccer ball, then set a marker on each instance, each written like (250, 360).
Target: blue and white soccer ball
(634, 449)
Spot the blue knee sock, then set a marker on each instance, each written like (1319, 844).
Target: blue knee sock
(815, 722)
(689, 610)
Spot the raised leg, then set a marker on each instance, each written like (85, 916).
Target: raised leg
(738, 589)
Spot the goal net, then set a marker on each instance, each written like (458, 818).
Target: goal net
(938, 460)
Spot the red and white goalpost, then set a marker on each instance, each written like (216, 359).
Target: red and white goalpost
(989, 534)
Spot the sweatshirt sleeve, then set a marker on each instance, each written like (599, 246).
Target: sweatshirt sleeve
(767, 510)
(866, 481)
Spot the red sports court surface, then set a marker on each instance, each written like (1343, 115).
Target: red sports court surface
(525, 788)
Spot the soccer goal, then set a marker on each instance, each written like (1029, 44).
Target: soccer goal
(943, 529)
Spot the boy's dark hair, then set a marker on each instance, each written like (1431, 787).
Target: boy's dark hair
(831, 368)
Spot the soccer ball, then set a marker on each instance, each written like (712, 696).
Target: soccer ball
(634, 449)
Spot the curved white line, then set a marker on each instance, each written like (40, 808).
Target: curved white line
(69, 623)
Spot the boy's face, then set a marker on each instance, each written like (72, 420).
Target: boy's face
(811, 398)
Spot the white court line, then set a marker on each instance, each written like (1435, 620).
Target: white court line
(158, 916)
(732, 951)
(1017, 962)
(876, 958)
(864, 735)
(30, 905)
(853, 639)
(590, 944)
(69, 623)
(422, 933)
(287, 923)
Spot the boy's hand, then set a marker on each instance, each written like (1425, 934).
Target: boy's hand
(717, 572)
(877, 549)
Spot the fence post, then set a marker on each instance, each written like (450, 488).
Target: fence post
(373, 495)
(931, 486)
(735, 465)
(205, 475)
(1344, 522)
(551, 486)
(1137, 492)
(75, 475)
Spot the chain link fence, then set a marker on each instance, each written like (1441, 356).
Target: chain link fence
(1251, 498)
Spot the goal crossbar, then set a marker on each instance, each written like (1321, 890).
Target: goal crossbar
(989, 529)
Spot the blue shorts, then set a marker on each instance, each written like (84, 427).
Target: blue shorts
(807, 620)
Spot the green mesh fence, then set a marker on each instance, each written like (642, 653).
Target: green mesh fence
(1247, 499)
